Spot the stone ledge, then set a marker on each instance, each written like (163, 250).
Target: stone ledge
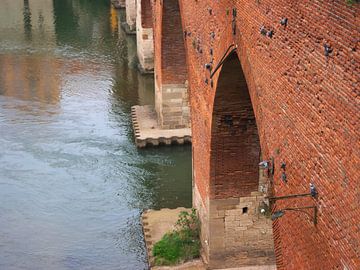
(148, 132)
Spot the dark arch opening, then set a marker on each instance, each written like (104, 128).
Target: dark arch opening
(235, 145)
(146, 14)
(173, 64)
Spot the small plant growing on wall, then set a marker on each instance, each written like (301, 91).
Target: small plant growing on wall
(182, 244)
(351, 2)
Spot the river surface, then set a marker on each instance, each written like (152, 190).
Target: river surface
(72, 183)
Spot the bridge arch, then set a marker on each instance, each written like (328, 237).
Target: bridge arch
(237, 231)
(235, 144)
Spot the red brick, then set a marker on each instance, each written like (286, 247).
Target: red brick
(306, 107)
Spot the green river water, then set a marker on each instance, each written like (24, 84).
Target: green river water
(72, 182)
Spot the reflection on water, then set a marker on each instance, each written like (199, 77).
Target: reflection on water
(72, 183)
(30, 77)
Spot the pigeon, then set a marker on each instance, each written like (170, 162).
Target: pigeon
(313, 191)
(264, 164)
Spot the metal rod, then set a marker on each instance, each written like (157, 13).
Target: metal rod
(300, 210)
(289, 196)
(227, 50)
(226, 55)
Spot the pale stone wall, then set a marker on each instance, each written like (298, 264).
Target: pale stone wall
(145, 43)
(202, 211)
(240, 234)
(172, 106)
(131, 14)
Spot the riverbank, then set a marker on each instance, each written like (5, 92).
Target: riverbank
(156, 223)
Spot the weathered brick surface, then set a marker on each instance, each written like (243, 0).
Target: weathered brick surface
(306, 107)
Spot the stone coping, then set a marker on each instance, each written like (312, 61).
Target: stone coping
(148, 132)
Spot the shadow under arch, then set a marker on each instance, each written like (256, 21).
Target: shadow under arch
(235, 143)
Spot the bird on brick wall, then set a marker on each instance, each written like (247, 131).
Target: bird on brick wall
(313, 191)
(264, 164)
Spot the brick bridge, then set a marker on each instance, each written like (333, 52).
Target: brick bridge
(266, 80)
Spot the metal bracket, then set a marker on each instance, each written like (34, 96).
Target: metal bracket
(289, 196)
(281, 212)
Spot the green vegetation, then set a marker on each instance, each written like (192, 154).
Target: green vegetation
(182, 244)
(350, 2)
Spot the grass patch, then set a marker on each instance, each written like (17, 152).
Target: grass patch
(182, 244)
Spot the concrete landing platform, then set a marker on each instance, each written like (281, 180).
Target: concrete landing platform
(148, 132)
(155, 224)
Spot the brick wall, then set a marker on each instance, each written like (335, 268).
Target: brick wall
(306, 107)
(172, 51)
